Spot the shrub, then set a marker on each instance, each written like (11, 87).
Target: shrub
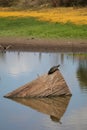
(6, 3)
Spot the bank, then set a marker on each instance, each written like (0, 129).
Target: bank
(44, 45)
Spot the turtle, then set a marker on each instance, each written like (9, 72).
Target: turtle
(53, 69)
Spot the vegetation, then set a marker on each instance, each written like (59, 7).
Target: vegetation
(6, 3)
(30, 27)
(56, 15)
(55, 3)
(44, 23)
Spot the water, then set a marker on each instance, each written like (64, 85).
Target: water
(18, 68)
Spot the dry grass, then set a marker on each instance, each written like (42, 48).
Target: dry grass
(61, 15)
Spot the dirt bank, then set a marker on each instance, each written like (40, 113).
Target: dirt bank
(32, 44)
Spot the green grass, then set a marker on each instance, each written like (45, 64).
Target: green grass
(31, 27)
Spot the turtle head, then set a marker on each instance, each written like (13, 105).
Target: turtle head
(58, 65)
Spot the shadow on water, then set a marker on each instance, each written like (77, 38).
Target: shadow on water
(55, 107)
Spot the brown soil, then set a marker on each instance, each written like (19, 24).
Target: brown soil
(32, 44)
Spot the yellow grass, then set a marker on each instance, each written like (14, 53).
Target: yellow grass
(64, 15)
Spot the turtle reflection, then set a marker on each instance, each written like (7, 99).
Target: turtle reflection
(55, 107)
(55, 119)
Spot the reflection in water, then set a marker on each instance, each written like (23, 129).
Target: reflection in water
(82, 76)
(82, 72)
(2, 57)
(55, 106)
(81, 60)
(62, 58)
(19, 62)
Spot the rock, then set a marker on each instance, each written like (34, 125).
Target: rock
(44, 86)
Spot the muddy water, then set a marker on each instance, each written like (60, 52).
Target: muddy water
(18, 68)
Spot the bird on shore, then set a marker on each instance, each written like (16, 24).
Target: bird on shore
(53, 69)
(4, 48)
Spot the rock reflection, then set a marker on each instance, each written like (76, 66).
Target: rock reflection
(55, 106)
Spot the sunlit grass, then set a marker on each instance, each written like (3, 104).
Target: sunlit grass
(59, 15)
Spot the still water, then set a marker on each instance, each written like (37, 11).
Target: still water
(18, 68)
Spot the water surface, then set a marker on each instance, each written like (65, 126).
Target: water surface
(18, 68)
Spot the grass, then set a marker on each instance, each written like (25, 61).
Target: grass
(31, 27)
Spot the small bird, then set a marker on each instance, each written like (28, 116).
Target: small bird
(4, 48)
(53, 69)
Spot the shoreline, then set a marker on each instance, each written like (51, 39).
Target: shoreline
(44, 45)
